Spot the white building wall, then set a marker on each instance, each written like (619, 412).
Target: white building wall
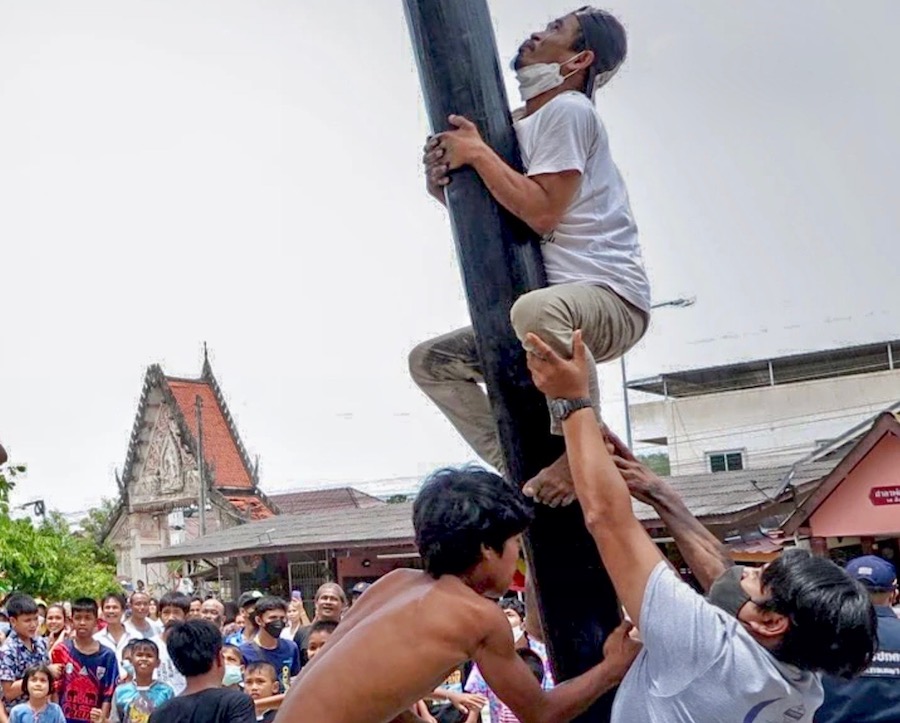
(773, 425)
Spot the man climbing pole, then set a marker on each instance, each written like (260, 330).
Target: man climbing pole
(573, 196)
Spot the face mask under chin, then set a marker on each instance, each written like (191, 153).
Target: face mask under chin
(726, 592)
(541, 77)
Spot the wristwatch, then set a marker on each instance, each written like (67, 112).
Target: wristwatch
(562, 408)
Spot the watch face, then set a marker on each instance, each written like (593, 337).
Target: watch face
(558, 408)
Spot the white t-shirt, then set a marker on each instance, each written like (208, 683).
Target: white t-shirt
(151, 628)
(105, 638)
(700, 665)
(167, 672)
(596, 240)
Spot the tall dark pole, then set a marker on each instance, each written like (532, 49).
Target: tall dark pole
(500, 259)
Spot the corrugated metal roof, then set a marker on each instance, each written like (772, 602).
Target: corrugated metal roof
(708, 496)
(301, 501)
(340, 528)
(719, 494)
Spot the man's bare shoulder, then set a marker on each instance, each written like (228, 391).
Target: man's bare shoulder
(447, 597)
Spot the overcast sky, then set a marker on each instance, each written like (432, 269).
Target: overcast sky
(248, 174)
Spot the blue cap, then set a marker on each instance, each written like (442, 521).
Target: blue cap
(875, 572)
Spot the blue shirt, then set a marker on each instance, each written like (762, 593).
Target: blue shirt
(16, 658)
(873, 697)
(23, 713)
(133, 703)
(285, 657)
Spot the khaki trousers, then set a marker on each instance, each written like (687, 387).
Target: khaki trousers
(449, 371)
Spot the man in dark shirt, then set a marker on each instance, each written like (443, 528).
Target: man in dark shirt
(873, 697)
(270, 618)
(195, 647)
(330, 601)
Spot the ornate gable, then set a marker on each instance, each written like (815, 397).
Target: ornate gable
(161, 472)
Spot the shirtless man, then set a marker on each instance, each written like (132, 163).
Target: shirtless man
(412, 628)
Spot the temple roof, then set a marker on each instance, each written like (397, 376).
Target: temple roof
(227, 465)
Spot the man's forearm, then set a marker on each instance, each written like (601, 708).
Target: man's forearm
(570, 699)
(517, 193)
(701, 550)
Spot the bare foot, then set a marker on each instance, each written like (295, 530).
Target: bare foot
(553, 485)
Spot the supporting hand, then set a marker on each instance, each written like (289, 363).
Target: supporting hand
(642, 482)
(557, 377)
(620, 650)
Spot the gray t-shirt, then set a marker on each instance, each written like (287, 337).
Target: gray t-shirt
(699, 665)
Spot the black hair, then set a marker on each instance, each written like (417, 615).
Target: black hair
(117, 596)
(196, 598)
(58, 606)
(832, 621)
(323, 626)
(84, 605)
(236, 648)
(267, 603)
(533, 661)
(459, 511)
(174, 600)
(601, 33)
(194, 646)
(231, 612)
(19, 603)
(34, 670)
(142, 644)
(260, 666)
(129, 647)
(514, 604)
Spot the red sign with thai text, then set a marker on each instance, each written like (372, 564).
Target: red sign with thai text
(885, 495)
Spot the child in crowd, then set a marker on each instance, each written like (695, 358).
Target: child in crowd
(57, 627)
(536, 666)
(270, 618)
(319, 632)
(173, 608)
(515, 615)
(89, 670)
(468, 524)
(234, 667)
(37, 683)
(135, 700)
(22, 648)
(195, 647)
(126, 668)
(261, 681)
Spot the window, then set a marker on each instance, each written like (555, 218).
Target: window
(725, 461)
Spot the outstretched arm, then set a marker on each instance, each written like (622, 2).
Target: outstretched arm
(628, 553)
(701, 549)
(514, 683)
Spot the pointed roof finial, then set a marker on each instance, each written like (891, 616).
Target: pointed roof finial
(207, 369)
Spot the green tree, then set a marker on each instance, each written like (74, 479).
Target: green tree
(8, 474)
(658, 462)
(94, 523)
(49, 559)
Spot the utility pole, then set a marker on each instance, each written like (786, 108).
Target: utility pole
(198, 408)
(500, 259)
(675, 303)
